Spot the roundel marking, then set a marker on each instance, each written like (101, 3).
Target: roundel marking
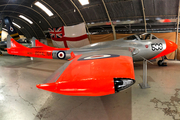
(11, 29)
(61, 54)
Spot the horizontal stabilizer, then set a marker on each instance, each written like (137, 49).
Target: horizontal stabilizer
(36, 47)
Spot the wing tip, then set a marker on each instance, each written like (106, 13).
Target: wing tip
(47, 86)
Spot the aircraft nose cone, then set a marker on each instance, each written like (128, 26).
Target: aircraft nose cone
(170, 46)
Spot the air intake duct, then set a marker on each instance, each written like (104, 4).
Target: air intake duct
(122, 83)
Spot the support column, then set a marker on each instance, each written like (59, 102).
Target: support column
(177, 31)
(144, 84)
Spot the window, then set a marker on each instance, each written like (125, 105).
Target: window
(153, 37)
(144, 36)
(133, 37)
(147, 36)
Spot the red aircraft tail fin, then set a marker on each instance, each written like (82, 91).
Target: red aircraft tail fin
(14, 48)
(36, 43)
(11, 43)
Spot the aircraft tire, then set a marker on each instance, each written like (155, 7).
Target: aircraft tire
(161, 63)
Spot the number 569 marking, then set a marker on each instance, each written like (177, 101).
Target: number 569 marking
(157, 46)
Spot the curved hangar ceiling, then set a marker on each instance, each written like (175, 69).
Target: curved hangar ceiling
(70, 12)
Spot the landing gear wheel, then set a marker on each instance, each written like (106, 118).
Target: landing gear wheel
(161, 63)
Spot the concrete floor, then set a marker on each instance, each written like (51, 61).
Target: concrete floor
(21, 100)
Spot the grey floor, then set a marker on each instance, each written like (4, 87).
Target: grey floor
(21, 100)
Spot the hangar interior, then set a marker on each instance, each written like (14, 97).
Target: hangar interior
(104, 20)
(127, 16)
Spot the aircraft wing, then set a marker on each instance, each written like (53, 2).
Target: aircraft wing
(93, 74)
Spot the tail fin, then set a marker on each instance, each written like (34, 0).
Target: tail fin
(11, 43)
(11, 28)
(36, 43)
(33, 42)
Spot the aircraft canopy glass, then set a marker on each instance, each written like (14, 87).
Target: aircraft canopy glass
(146, 36)
(132, 37)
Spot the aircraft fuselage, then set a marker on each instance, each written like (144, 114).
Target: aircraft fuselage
(141, 48)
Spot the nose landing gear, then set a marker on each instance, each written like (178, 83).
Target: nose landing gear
(161, 62)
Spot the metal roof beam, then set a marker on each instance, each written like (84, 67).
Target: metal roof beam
(24, 15)
(30, 9)
(113, 28)
(22, 31)
(54, 11)
(144, 15)
(25, 23)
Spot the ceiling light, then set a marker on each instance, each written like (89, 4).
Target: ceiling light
(25, 18)
(44, 8)
(84, 2)
(16, 25)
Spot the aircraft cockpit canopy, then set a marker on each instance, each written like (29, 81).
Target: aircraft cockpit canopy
(144, 36)
(132, 37)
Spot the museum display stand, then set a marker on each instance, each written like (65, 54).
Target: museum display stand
(144, 84)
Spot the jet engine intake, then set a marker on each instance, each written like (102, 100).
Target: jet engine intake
(122, 83)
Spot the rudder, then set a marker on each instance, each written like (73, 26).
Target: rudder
(11, 43)
(11, 29)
